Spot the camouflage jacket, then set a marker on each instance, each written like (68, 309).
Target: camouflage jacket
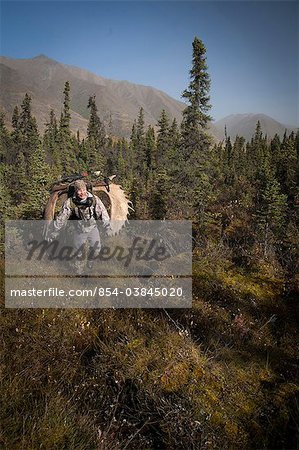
(87, 215)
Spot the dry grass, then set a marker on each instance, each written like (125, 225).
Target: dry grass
(221, 375)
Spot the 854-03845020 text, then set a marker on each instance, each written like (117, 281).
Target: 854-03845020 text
(98, 293)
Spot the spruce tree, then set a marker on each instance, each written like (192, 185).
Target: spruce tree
(195, 115)
(275, 150)
(150, 149)
(159, 191)
(239, 156)
(229, 172)
(140, 143)
(95, 141)
(133, 143)
(95, 128)
(5, 141)
(121, 151)
(163, 139)
(50, 139)
(18, 179)
(65, 155)
(173, 156)
(15, 121)
(271, 206)
(287, 165)
(296, 147)
(173, 138)
(257, 153)
(194, 159)
(6, 208)
(66, 115)
(37, 185)
(202, 197)
(195, 141)
(25, 134)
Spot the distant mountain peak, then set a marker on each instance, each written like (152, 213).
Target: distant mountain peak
(41, 56)
(245, 124)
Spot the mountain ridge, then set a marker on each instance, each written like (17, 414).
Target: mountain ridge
(243, 124)
(118, 100)
(43, 78)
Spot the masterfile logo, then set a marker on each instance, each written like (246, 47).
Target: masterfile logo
(148, 265)
(143, 248)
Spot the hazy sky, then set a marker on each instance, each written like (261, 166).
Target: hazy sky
(252, 47)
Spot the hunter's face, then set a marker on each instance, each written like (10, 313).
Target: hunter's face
(81, 194)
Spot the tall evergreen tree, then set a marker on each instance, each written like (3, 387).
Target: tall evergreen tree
(229, 172)
(37, 185)
(26, 134)
(257, 154)
(202, 197)
(5, 202)
(65, 120)
(96, 138)
(163, 141)
(50, 138)
(239, 155)
(287, 165)
(133, 142)
(140, 143)
(174, 136)
(271, 205)
(5, 142)
(173, 151)
(159, 192)
(150, 149)
(195, 144)
(271, 213)
(195, 115)
(65, 156)
(18, 179)
(296, 146)
(275, 150)
(95, 128)
(15, 120)
(15, 134)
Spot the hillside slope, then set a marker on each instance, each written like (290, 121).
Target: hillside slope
(44, 79)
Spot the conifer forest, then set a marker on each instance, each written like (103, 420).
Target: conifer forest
(220, 375)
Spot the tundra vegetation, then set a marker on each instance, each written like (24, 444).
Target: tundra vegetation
(220, 375)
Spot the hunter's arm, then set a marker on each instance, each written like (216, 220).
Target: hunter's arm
(101, 213)
(63, 216)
